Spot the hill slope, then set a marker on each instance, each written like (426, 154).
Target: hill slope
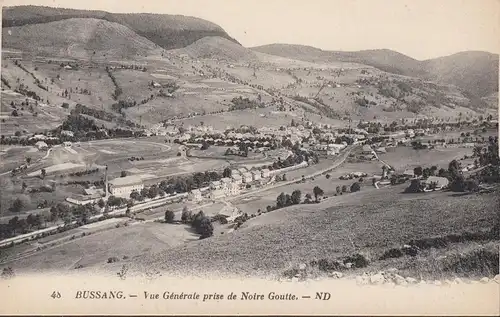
(475, 72)
(167, 31)
(78, 37)
(219, 48)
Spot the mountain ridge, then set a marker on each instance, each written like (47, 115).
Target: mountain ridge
(167, 31)
(479, 76)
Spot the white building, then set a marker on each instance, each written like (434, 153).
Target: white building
(216, 194)
(40, 145)
(195, 195)
(265, 173)
(233, 189)
(225, 182)
(247, 177)
(215, 185)
(236, 177)
(67, 133)
(124, 186)
(256, 175)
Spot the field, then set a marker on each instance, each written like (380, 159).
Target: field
(361, 222)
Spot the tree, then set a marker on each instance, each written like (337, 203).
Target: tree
(101, 203)
(226, 172)
(206, 229)
(135, 195)
(418, 171)
(338, 190)
(283, 178)
(355, 187)
(153, 191)
(186, 215)
(17, 205)
(28, 160)
(43, 172)
(24, 186)
(281, 200)
(296, 197)
(317, 191)
(308, 198)
(415, 186)
(344, 188)
(169, 216)
(123, 174)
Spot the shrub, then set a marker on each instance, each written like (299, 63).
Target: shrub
(113, 259)
(355, 187)
(357, 260)
(325, 265)
(392, 253)
(169, 216)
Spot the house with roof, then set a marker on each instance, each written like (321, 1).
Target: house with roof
(40, 145)
(195, 195)
(436, 183)
(217, 194)
(215, 185)
(367, 149)
(265, 173)
(124, 186)
(409, 173)
(247, 177)
(236, 178)
(256, 175)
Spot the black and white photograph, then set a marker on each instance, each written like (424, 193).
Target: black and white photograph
(347, 142)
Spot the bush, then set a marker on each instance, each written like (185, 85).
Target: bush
(357, 260)
(113, 259)
(169, 216)
(392, 253)
(355, 187)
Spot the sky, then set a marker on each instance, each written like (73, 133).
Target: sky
(421, 29)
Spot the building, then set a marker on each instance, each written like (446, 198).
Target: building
(195, 195)
(217, 194)
(367, 149)
(233, 189)
(247, 177)
(256, 175)
(215, 185)
(225, 183)
(124, 186)
(438, 182)
(242, 170)
(265, 173)
(67, 144)
(40, 145)
(409, 173)
(237, 179)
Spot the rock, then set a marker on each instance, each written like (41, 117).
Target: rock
(437, 283)
(362, 280)
(484, 280)
(392, 270)
(297, 275)
(294, 279)
(422, 282)
(348, 265)
(474, 282)
(497, 278)
(411, 280)
(302, 266)
(377, 279)
(336, 275)
(447, 282)
(458, 280)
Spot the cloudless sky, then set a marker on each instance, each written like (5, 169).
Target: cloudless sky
(418, 28)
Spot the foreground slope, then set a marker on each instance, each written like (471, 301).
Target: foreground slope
(167, 31)
(79, 38)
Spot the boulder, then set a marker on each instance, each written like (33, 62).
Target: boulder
(458, 280)
(392, 270)
(377, 279)
(336, 275)
(348, 265)
(411, 280)
(295, 279)
(362, 280)
(302, 266)
(497, 278)
(484, 280)
(437, 283)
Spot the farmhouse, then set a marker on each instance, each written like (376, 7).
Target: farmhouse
(216, 194)
(408, 173)
(247, 177)
(215, 185)
(367, 149)
(124, 186)
(439, 182)
(237, 179)
(265, 173)
(195, 195)
(40, 145)
(256, 175)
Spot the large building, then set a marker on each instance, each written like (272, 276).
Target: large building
(195, 195)
(124, 186)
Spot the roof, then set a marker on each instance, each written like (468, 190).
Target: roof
(247, 174)
(126, 181)
(226, 180)
(441, 181)
(409, 172)
(236, 176)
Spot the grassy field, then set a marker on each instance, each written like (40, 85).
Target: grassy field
(369, 222)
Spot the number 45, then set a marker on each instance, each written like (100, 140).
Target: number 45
(56, 295)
